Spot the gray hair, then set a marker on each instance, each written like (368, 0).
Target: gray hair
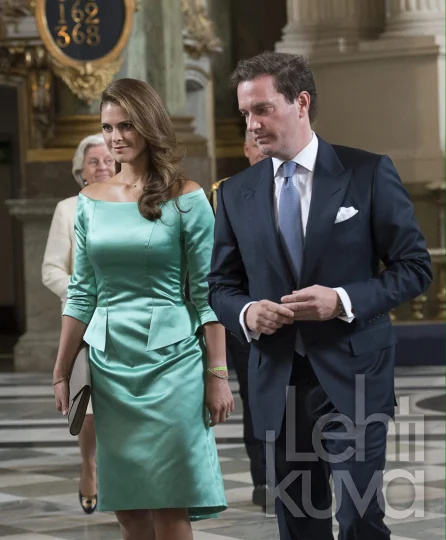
(79, 155)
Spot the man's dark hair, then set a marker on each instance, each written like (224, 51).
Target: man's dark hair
(292, 75)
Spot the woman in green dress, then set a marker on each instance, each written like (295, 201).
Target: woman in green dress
(157, 360)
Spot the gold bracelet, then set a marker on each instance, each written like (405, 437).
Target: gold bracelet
(214, 372)
(60, 380)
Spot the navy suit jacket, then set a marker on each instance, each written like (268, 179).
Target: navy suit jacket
(248, 264)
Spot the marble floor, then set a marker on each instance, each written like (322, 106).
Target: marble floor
(39, 468)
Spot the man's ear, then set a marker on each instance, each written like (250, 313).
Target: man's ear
(245, 149)
(303, 103)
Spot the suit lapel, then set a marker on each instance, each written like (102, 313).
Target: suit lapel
(258, 195)
(330, 183)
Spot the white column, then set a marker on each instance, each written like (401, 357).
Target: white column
(415, 18)
(331, 24)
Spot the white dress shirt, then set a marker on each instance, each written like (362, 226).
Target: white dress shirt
(303, 181)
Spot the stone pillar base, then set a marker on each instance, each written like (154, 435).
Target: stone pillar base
(195, 145)
(36, 352)
(410, 18)
(330, 25)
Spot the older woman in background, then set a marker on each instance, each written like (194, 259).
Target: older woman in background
(92, 163)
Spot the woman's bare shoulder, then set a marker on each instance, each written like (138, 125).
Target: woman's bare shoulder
(100, 190)
(190, 186)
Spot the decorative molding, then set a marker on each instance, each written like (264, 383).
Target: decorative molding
(373, 51)
(70, 129)
(49, 155)
(25, 209)
(199, 38)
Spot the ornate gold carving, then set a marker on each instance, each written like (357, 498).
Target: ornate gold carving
(14, 9)
(30, 62)
(199, 38)
(41, 84)
(87, 81)
(11, 11)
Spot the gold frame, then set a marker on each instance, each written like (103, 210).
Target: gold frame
(85, 78)
(61, 58)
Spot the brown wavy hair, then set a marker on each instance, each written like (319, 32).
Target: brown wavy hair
(147, 113)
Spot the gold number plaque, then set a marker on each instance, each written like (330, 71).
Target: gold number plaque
(85, 39)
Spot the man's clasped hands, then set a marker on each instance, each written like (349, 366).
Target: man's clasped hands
(315, 303)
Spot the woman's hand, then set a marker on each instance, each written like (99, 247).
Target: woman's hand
(70, 343)
(219, 399)
(62, 395)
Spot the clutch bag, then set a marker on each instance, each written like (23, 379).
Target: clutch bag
(80, 391)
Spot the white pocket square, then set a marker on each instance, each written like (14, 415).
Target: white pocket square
(345, 213)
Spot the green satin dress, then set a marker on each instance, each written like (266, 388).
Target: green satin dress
(154, 445)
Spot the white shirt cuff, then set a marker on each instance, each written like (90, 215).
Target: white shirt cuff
(248, 333)
(345, 299)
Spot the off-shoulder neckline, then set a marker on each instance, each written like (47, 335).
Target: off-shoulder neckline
(194, 192)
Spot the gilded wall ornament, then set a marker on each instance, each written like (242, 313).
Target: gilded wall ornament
(87, 81)
(199, 38)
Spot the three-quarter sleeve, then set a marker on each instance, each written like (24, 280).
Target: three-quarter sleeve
(197, 222)
(81, 294)
(56, 266)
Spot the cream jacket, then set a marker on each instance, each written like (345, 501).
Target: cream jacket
(58, 260)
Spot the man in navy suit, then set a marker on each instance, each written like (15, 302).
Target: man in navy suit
(296, 271)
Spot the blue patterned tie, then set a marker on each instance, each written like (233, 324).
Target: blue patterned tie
(290, 220)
